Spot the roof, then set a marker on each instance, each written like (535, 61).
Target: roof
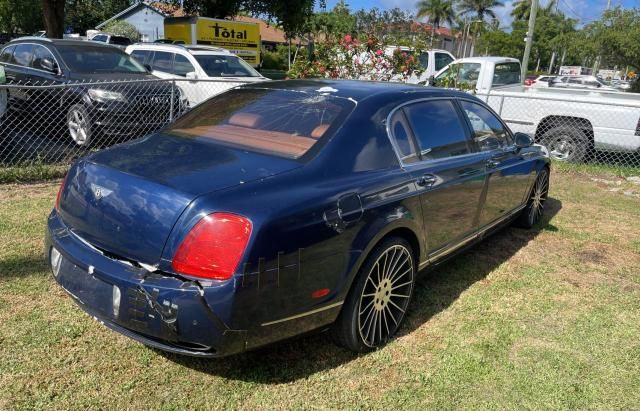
(131, 9)
(490, 59)
(61, 42)
(357, 90)
(268, 32)
(182, 47)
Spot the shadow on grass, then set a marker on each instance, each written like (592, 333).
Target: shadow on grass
(436, 289)
(22, 266)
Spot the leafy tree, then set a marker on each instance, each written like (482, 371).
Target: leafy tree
(123, 28)
(20, 16)
(482, 9)
(290, 14)
(437, 11)
(82, 15)
(335, 23)
(616, 36)
(522, 9)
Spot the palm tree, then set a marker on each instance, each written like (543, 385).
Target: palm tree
(522, 9)
(481, 8)
(437, 12)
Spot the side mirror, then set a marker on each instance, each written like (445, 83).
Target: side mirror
(523, 140)
(432, 80)
(49, 65)
(192, 75)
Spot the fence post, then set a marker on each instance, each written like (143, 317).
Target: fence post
(501, 104)
(173, 88)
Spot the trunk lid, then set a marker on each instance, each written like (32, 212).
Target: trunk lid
(126, 200)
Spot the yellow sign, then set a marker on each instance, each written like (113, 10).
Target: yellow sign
(242, 39)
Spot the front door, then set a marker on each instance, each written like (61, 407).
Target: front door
(448, 173)
(508, 175)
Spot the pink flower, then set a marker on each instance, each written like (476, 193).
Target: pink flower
(347, 39)
(378, 52)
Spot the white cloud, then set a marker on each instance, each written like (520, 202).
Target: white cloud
(504, 14)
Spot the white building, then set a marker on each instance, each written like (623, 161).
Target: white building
(147, 19)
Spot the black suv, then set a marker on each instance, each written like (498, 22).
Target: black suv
(92, 88)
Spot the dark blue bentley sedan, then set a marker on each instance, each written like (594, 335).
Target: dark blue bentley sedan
(285, 207)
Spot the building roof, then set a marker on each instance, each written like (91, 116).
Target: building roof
(129, 10)
(268, 32)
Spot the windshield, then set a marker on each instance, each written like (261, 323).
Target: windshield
(92, 59)
(277, 122)
(225, 66)
(459, 73)
(120, 41)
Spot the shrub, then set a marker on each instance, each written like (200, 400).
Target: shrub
(123, 28)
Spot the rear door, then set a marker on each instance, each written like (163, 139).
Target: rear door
(434, 142)
(162, 64)
(508, 174)
(20, 62)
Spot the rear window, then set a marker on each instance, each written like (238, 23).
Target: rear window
(277, 122)
(120, 41)
(506, 73)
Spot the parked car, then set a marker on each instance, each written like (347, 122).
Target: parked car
(118, 41)
(598, 119)
(89, 110)
(196, 62)
(431, 61)
(621, 85)
(3, 93)
(169, 41)
(542, 81)
(284, 207)
(580, 82)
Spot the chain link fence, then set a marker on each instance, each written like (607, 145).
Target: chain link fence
(596, 127)
(57, 123)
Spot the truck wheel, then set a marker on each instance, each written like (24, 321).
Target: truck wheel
(566, 143)
(79, 124)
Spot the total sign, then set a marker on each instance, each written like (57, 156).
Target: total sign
(242, 39)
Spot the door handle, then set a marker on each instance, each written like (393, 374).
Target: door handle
(426, 180)
(492, 163)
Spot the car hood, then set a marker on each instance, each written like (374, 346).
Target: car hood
(126, 200)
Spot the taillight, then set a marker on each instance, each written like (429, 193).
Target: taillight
(213, 247)
(64, 180)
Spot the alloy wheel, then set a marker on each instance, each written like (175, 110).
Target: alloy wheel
(386, 295)
(562, 148)
(78, 126)
(539, 197)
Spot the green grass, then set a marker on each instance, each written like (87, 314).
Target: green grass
(544, 319)
(31, 173)
(618, 170)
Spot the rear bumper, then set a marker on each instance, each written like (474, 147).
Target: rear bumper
(158, 310)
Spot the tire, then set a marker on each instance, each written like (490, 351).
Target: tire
(534, 210)
(375, 306)
(79, 125)
(566, 143)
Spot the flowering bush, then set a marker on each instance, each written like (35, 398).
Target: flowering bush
(359, 59)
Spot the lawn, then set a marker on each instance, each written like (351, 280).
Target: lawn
(548, 318)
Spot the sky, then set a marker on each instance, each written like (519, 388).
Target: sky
(583, 10)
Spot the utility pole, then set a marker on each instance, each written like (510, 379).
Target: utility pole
(553, 59)
(529, 38)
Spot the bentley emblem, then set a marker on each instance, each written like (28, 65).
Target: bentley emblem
(100, 192)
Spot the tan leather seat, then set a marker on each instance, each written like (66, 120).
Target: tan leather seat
(249, 120)
(319, 131)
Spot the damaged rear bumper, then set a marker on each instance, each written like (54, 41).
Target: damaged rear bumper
(159, 310)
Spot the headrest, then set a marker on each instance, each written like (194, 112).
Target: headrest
(248, 120)
(319, 131)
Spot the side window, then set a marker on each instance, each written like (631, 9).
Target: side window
(575, 81)
(442, 60)
(401, 133)
(23, 54)
(40, 53)
(141, 55)
(162, 61)
(7, 54)
(182, 66)
(100, 37)
(488, 132)
(506, 73)
(438, 129)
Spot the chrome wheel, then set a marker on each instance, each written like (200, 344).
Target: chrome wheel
(538, 197)
(79, 125)
(386, 295)
(562, 148)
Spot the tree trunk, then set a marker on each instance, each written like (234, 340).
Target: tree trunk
(53, 17)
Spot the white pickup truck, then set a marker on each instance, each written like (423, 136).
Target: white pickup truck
(571, 123)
